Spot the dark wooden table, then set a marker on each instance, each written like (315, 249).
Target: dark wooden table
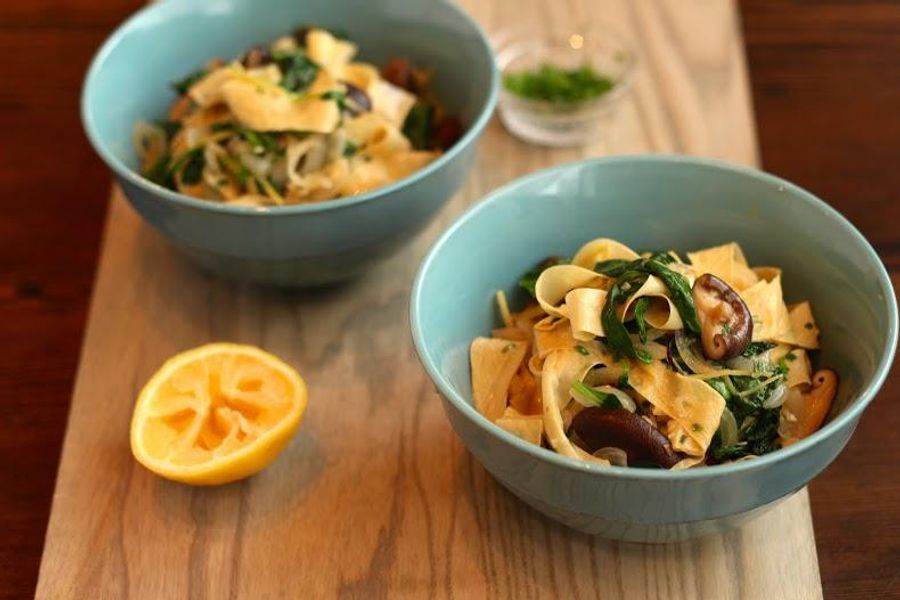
(826, 83)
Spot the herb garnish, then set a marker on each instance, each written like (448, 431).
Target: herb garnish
(558, 85)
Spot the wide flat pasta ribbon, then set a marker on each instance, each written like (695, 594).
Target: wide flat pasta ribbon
(770, 315)
(554, 283)
(561, 369)
(494, 363)
(602, 249)
(693, 407)
(527, 427)
(803, 330)
(662, 313)
(727, 262)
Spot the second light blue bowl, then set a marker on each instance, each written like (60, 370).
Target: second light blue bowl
(654, 202)
(300, 245)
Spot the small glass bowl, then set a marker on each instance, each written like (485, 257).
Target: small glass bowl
(554, 124)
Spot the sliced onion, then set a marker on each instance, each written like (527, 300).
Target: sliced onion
(624, 399)
(741, 363)
(777, 397)
(691, 358)
(699, 365)
(615, 456)
(673, 361)
(749, 363)
(588, 401)
(581, 398)
(728, 429)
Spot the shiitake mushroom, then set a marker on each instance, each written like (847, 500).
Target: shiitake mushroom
(726, 325)
(357, 100)
(600, 427)
(256, 57)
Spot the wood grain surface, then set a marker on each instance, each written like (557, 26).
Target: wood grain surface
(375, 497)
(825, 81)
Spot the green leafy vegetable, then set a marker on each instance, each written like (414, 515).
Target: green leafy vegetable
(193, 168)
(623, 378)
(182, 87)
(558, 85)
(337, 96)
(680, 291)
(596, 397)
(235, 168)
(614, 267)
(757, 426)
(720, 453)
(655, 264)
(297, 70)
(350, 149)
(640, 310)
(755, 348)
(262, 142)
(417, 126)
(170, 128)
(190, 165)
(616, 334)
(720, 386)
(159, 173)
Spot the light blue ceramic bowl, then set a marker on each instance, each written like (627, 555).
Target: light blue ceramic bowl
(654, 202)
(302, 245)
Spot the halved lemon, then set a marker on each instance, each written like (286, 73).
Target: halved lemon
(217, 413)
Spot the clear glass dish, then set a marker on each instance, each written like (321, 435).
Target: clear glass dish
(555, 124)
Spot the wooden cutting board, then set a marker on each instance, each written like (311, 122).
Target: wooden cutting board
(375, 497)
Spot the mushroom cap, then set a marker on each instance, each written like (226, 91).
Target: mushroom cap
(615, 427)
(726, 325)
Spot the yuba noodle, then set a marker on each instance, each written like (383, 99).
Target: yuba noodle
(743, 388)
(295, 121)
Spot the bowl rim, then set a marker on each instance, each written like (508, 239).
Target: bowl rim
(157, 9)
(852, 412)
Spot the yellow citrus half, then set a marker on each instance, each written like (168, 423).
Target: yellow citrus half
(217, 413)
